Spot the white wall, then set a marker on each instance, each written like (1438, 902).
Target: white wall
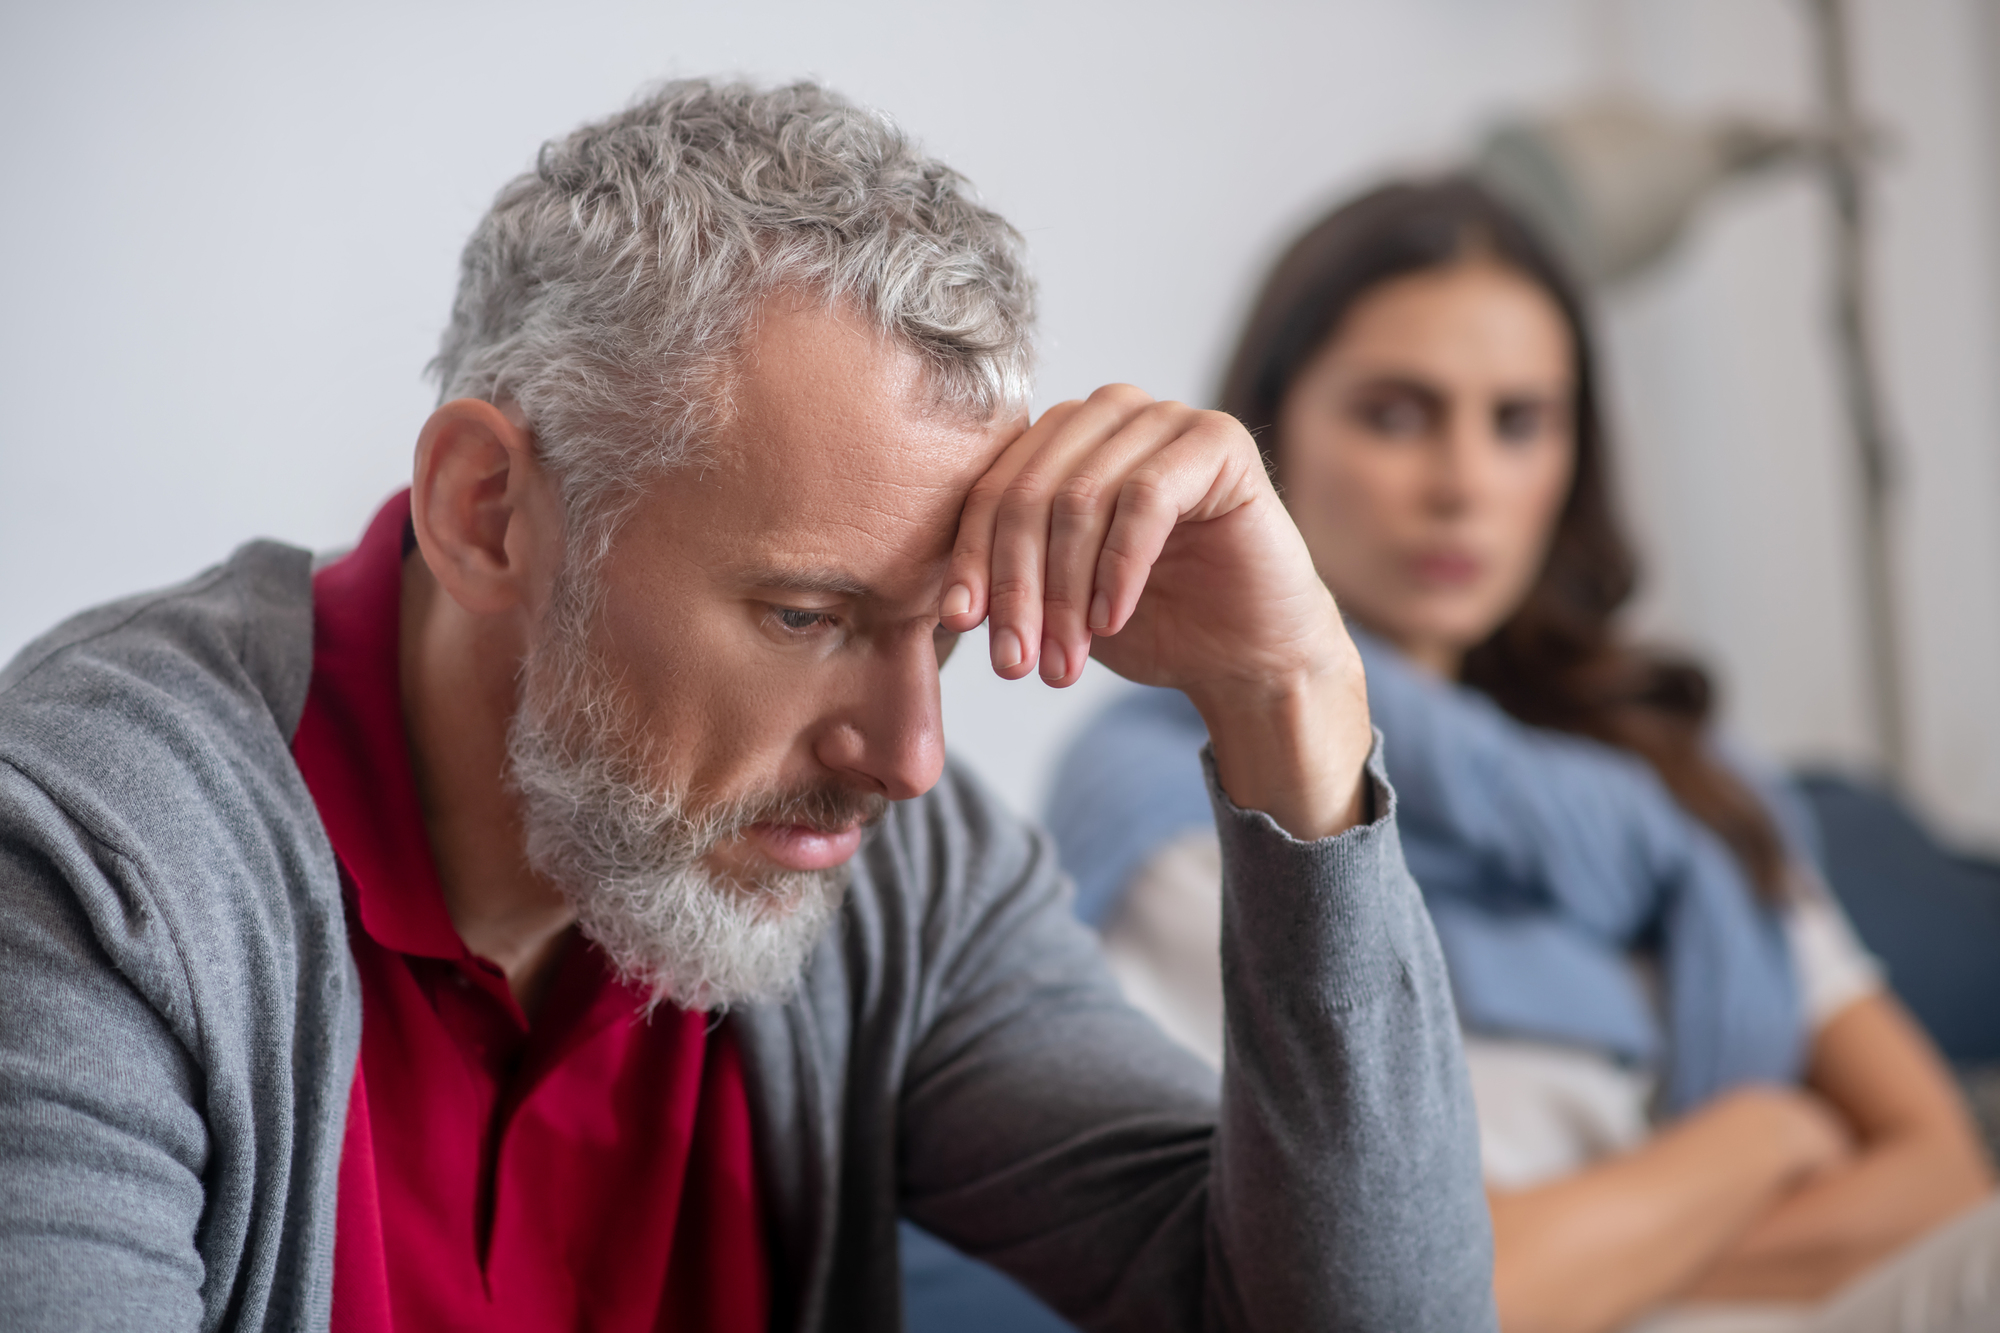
(1738, 467)
(230, 233)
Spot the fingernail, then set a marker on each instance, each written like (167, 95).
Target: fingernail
(1053, 664)
(957, 600)
(1006, 649)
(1100, 611)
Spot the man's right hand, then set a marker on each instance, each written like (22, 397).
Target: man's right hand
(1148, 534)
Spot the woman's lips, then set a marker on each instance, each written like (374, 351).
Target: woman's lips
(1448, 568)
(802, 847)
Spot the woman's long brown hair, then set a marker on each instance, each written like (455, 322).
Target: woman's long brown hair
(1558, 661)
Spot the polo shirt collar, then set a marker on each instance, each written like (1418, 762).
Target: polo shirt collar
(353, 749)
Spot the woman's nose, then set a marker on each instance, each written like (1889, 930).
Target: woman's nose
(1460, 459)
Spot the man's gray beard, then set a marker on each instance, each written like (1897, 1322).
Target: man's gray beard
(628, 855)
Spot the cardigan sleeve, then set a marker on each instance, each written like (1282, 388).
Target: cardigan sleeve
(1330, 1181)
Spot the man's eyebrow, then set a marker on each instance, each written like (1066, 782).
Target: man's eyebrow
(825, 580)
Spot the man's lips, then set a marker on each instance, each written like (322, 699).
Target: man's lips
(803, 847)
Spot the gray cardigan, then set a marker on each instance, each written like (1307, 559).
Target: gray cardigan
(180, 1016)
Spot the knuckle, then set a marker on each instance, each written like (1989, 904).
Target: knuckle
(1222, 427)
(1122, 395)
(1121, 547)
(1143, 491)
(985, 493)
(1079, 498)
(1024, 489)
(1012, 591)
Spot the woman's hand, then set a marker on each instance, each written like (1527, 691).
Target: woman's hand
(1805, 1131)
(1764, 1194)
(1916, 1162)
(1148, 535)
(1589, 1252)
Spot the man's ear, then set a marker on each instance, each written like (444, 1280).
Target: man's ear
(485, 515)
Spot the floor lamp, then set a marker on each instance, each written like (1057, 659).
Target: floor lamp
(1616, 182)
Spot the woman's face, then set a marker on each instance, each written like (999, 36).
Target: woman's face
(1426, 450)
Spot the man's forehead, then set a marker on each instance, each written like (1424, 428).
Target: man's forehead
(834, 467)
(820, 495)
(822, 539)
(816, 381)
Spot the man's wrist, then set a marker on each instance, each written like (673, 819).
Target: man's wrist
(1295, 750)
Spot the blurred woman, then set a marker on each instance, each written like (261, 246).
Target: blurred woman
(1691, 1083)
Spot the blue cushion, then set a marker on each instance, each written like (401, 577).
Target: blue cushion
(945, 1292)
(1931, 914)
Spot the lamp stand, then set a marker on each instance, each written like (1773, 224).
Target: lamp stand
(1875, 454)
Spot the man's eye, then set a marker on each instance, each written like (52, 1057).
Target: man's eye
(799, 622)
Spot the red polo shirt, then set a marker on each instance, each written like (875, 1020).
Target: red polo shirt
(591, 1170)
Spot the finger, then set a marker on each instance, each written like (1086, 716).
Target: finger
(1204, 473)
(967, 575)
(1016, 574)
(1081, 512)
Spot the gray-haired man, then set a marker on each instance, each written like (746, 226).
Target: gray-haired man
(360, 929)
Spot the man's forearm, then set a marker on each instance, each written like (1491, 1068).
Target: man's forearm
(1296, 751)
(1346, 1182)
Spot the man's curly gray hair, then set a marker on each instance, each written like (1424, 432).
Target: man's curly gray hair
(606, 290)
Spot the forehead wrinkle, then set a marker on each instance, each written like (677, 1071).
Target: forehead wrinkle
(866, 528)
(910, 514)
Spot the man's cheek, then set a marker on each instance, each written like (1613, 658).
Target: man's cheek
(755, 730)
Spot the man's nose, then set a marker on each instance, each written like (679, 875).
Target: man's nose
(890, 737)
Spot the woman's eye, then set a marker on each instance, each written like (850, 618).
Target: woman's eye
(1398, 417)
(1518, 422)
(801, 621)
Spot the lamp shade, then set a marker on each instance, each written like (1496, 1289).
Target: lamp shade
(1613, 181)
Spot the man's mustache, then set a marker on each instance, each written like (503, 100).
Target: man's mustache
(824, 807)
